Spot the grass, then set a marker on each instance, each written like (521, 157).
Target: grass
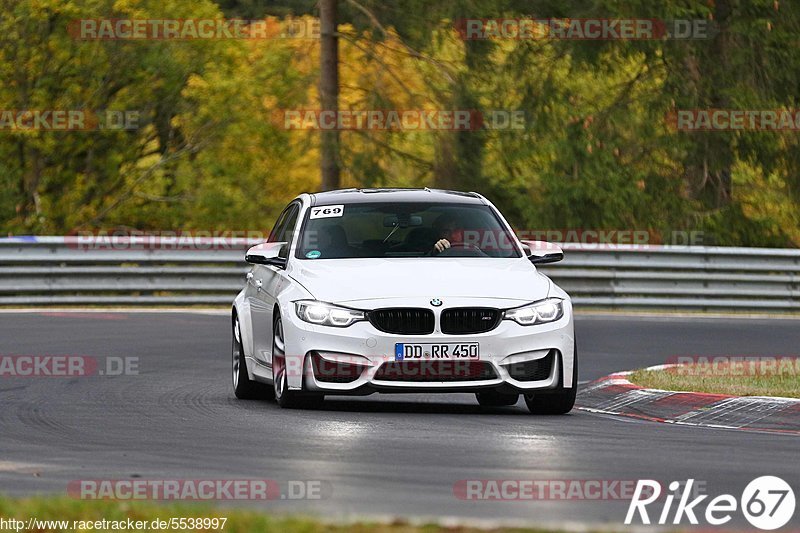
(744, 377)
(238, 520)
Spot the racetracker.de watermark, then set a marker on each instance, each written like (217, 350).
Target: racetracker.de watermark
(66, 366)
(229, 240)
(584, 29)
(589, 239)
(400, 119)
(126, 29)
(199, 489)
(734, 120)
(19, 120)
(734, 365)
(180, 240)
(605, 239)
(549, 489)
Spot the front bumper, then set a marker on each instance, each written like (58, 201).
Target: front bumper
(351, 360)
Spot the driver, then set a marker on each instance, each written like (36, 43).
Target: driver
(449, 232)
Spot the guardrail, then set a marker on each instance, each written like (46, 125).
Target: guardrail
(50, 271)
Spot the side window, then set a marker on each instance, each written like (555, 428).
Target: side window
(273, 235)
(286, 229)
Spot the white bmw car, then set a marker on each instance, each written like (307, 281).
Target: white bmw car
(402, 290)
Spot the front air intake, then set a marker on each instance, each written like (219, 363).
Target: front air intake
(535, 370)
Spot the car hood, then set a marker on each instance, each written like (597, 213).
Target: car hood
(349, 280)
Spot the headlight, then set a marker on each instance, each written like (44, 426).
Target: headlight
(541, 312)
(325, 314)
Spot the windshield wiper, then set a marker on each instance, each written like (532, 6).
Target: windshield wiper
(394, 229)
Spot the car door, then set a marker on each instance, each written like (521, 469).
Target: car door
(254, 286)
(265, 284)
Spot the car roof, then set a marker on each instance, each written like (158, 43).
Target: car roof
(360, 196)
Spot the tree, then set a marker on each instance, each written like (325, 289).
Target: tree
(329, 91)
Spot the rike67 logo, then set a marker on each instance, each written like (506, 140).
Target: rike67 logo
(767, 502)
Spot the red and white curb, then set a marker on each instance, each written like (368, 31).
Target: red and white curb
(615, 395)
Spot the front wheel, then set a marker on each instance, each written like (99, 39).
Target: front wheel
(556, 403)
(288, 399)
(243, 387)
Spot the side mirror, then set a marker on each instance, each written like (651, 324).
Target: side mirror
(267, 253)
(541, 252)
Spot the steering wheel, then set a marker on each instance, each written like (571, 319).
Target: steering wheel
(470, 249)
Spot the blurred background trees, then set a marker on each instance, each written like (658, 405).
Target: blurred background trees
(597, 151)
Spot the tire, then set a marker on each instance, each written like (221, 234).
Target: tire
(555, 403)
(285, 398)
(492, 398)
(243, 387)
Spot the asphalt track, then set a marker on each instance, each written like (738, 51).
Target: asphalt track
(381, 455)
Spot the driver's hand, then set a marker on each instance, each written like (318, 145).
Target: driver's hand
(442, 245)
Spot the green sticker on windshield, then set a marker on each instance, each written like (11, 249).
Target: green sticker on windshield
(314, 254)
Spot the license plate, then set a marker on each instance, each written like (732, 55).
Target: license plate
(459, 351)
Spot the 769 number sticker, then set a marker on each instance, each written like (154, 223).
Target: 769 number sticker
(327, 211)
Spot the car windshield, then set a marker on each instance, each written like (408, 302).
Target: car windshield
(383, 230)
